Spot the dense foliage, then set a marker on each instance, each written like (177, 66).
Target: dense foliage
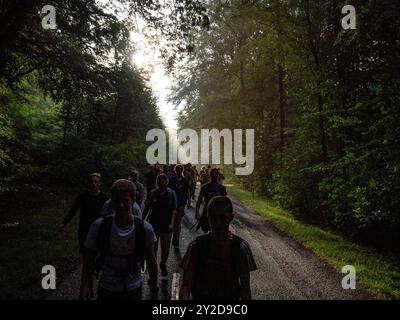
(324, 102)
(72, 102)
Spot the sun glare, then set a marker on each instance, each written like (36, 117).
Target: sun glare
(146, 57)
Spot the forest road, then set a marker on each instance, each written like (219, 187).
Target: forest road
(285, 269)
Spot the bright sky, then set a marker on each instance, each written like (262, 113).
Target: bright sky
(148, 59)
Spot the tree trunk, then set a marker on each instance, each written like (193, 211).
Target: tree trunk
(315, 54)
(341, 64)
(115, 119)
(242, 90)
(67, 119)
(282, 108)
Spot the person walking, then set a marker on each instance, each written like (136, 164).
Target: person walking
(160, 211)
(121, 243)
(217, 265)
(89, 205)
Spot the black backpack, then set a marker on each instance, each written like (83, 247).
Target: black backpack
(103, 242)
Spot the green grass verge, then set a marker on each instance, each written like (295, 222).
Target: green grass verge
(377, 272)
(35, 242)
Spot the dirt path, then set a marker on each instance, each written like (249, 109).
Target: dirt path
(285, 269)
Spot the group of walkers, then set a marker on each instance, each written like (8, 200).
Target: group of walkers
(119, 235)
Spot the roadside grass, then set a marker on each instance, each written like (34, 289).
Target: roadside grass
(36, 242)
(377, 272)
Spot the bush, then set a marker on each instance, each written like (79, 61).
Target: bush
(365, 200)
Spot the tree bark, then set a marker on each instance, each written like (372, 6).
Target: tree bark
(67, 119)
(315, 54)
(282, 108)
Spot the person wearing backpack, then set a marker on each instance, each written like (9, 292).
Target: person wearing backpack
(190, 176)
(204, 177)
(117, 246)
(207, 192)
(89, 204)
(151, 177)
(134, 177)
(160, 209)
(182, 189)
(217, 265)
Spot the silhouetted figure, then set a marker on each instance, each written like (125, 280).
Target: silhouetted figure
(207, 192)
(160, 210)
(217, 265)
(89, 203)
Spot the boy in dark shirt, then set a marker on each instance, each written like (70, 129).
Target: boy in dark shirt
(182, 189)
(217, 265)
(190, 176)
(207, 192)
(151, 177)
(160, 210)
(134, 177)
(90, 204)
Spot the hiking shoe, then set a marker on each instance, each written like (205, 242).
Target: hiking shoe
(175, 243)
(164, 271)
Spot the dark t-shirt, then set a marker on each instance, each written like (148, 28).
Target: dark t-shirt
(219, 280)
(211, 190)
(171, 176)
(90, 206)
(162, 207)
(139, 192)
(181, 187)
(190, 176)
(204, 178)
(151, 177)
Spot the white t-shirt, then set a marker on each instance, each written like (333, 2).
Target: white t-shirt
(122, 242)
